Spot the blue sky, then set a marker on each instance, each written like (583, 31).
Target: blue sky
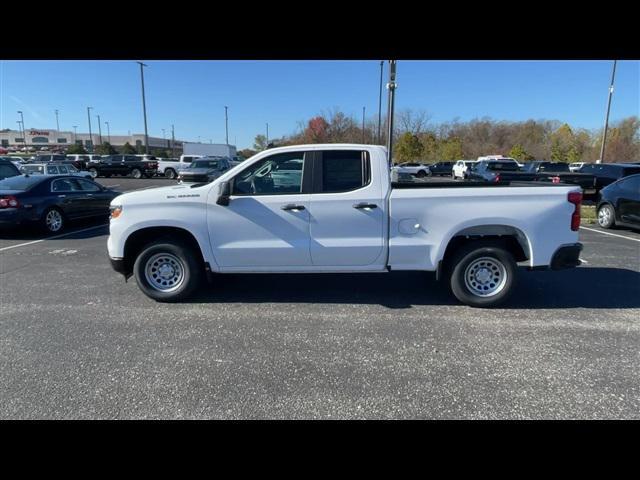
(192, 94)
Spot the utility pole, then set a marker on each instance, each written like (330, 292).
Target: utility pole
(75, 134)
(391, 86)
(99, 131)
(144, 109)
(363, 109)
(90, 136)
(267, 142)
(57, 123)
(24, 132)
(606, 120)
(108, 132)
(380, 103)
(226, 124)
(173, 142)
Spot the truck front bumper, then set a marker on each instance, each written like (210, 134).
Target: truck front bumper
(567, 256)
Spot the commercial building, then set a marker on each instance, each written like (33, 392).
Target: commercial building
(52, 139)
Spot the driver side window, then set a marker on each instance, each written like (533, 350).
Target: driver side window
(275, 175)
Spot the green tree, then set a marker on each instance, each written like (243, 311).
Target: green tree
(260, 143)
(128, 149)
(519, 153)
(76, 149)
(106, 149)
(408, 148)
(450, 149)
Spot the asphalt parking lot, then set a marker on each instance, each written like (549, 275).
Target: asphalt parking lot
(77, 342)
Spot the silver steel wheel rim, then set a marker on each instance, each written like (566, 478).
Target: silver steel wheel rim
(137, 174)
(485, 277)
(604, 216)
(93, 173)
(164, 272)
(53, 220)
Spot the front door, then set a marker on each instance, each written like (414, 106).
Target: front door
(266, 224)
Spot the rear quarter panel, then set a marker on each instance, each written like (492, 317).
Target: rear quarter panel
(542, 214)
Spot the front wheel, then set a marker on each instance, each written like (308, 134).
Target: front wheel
(167, 271)
(421, 174)
(483, 274)
(136, 173)
(93, 172)
(170, 173)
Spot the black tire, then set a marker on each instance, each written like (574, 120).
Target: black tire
(499, 265)
(136, 173)
(170, 173)
(93, 172)
(606, 216)
(186, 259)
(47, 224)
(421, 174)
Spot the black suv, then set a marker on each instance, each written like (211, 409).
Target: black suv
(441, 168)
(8, 169)
(123, 165)
(607, 173)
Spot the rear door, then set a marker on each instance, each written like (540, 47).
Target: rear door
(97, 200)
(347, 210)
(629, 199)
(70, 197)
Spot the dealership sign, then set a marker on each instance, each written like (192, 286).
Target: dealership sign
(38, 132)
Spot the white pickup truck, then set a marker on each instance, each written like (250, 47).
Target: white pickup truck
(171, 168)
(333, 208)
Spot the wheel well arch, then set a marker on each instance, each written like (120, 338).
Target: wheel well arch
(138, 239)
(513, 239)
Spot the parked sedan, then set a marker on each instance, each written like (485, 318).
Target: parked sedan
(204, 170)
(51, 201)
(53, 169)
(619, 203)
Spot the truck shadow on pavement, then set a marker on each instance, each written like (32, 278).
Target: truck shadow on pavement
(584, 287)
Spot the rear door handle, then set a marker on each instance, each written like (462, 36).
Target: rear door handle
(292, 206)
(365, 205)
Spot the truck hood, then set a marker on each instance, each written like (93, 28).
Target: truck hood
(162, 194)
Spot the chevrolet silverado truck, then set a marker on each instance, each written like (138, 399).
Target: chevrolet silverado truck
(342, 213)
(109, 165)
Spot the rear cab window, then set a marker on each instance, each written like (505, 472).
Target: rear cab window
(342, 171)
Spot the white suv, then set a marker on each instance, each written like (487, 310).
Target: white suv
(462, 168)
(420, 170)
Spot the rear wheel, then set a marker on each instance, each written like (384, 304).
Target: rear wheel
(170, 173)
(136, 173)
(421, 174)
(606, 216)
(167, 271)
(483, 274)
(93, 172)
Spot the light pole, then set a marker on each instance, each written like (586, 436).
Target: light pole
(57, 123)
(108, 132)
(392, 94)
(267, 142)
(90, 136)
(99, 131)
(606, 120)
(173, 142)
(363, 110)
(24, 132)
(21, 129)
(75, 134)
(226, 124)
(380, 103)
(144, 109)
(164, 138)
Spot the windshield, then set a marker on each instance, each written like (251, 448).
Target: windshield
(204, 164)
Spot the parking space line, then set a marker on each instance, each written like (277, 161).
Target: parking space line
(52, 238)
(612, 234)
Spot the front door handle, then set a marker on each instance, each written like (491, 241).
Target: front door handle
(292, 206)
(365, 205)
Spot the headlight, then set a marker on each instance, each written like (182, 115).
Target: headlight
(115, 211)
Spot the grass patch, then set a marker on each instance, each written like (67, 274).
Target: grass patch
(588, 214)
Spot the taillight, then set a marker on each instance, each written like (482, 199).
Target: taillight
(9, 201)
(555, 179)
(497, 178)
(576, 199)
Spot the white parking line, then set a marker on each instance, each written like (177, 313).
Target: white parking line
(612, 234)
(52, 238)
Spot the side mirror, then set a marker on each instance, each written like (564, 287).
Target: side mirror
(225, 193)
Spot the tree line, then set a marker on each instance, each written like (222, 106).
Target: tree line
(416, 138)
